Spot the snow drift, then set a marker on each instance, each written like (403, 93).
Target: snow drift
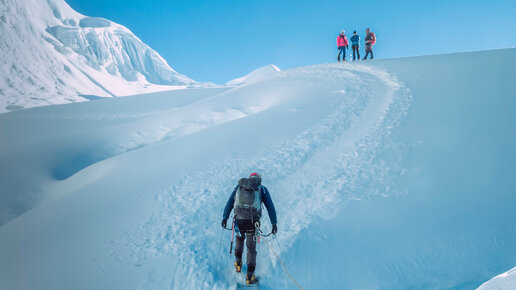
(258, 74)
(386, 174)
(52, 55)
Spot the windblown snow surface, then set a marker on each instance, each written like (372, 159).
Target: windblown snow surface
(386, 174)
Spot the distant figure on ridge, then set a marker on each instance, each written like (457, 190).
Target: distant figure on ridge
(355, 44)
(370, 41)
(246, 199)
(342, 45)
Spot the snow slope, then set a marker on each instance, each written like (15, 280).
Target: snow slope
(52, 55)
(387, 174)
(455, 227)
(503, 281)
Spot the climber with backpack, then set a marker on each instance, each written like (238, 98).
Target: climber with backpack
(246, 200)
(370, 41)
(342, 45)
(355, 44)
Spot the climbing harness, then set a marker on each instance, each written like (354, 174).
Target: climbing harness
(256, 236)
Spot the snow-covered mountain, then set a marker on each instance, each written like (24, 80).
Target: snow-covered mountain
(51, 55)
(385, 174)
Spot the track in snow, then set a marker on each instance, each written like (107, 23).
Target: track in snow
(311, 175)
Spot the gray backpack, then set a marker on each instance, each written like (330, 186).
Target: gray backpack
(248, 199)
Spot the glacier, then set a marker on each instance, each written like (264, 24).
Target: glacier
(53, 55)
(386, 174)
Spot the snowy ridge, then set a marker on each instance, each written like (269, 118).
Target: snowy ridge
(504, 281)
(54, 55)
(258, 74)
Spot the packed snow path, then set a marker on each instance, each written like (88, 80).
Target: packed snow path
(157, 179)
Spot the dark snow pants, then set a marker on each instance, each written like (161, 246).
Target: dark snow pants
(246, 228)
(342, 49)
(355, 49)
(368, 50)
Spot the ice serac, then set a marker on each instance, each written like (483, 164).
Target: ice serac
(54, 55)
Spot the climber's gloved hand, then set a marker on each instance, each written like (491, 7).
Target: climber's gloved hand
(274, 229)
(224, 223)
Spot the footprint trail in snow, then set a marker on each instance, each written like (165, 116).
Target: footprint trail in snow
(313, 174)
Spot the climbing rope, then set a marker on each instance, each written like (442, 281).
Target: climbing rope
(277, 256)
(283, 265)
(279, 246)
(260, 233)
(220, 246)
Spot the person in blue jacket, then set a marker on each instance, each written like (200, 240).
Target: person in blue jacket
(246, 200)
(355, 44)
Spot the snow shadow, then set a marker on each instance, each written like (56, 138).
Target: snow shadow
(91, 97)
(69, 164)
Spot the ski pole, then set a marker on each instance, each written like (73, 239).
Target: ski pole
(232, 235)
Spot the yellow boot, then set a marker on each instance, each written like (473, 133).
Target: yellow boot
(238, 266)
(250, 280)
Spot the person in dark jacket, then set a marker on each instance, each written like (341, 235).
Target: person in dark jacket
(355, 44)
(370, 41)
(247, 214)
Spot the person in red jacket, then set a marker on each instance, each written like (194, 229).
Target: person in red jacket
(370, 41)
(342, 45)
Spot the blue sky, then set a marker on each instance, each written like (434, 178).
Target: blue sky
(220, 40)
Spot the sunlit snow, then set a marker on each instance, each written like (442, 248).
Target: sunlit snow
(388, 174)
